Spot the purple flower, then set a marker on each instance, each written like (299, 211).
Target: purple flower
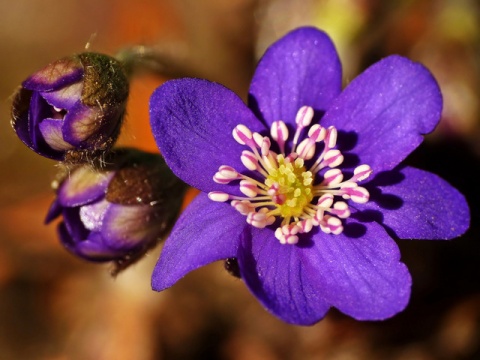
(305, 187)
(119, 212)
(72, 109)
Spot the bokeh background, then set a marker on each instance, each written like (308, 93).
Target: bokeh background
(55, 306)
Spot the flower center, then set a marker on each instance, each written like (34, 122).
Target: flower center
(290, 186)
(284, 188)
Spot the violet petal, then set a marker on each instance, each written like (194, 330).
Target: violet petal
(51, 130)
(300, 69)
(359, 271)
(55, 75)
(205, 232)
(83, 186)
(65, 97)
(94, 249)
(66, 238)
(129, 226)
(21, 114)
(416, 204)
(26, 124)
(74, 226)
(22, 128)
(87, 245)
(192, 122)
(80, 123)
(386, 110)
(54, 211)
(38, 110)
(276, 274)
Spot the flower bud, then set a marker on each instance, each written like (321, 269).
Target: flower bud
(72, 109)
(118, 212)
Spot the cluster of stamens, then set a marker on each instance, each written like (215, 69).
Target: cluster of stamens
(288, 190)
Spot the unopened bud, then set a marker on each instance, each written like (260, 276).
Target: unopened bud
(119, 212)
(72, 109)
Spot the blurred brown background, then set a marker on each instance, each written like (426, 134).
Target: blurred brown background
(54, 306)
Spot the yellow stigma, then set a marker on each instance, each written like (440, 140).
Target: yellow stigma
(293, 186)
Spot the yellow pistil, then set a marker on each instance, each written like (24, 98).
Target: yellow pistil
(294, 184)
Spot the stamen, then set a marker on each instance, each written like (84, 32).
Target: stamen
(332, 177)
(260, 219)
(249, 160)
(248, 188)
(333, 158)
(265, 146)
(283, 191)
(279, 133)
(304, 116)
(225, 174)
(355, 193)
(258, 139)
(242, 135)
(218, 196)
(331, 225)
(325, 201)
(244, 207)
(303, 119)
(305, 225)
(340, 209)
(306, 149)
(270, 162)
(331, 137)
(317, 133)
(361, 172)
(287, 234)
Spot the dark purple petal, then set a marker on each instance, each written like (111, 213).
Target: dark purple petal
(21, 115)
(205, 232)
(359, 272)
(74, 226)
(51, 130)
(300, 69)
(80, 123)
(41, 148)
(92, 249)
(416, 204)
(192, 122)
(92, 127)
(65, 97)
(86, 244)
(129, 226)
(385, 111)
(21, 127)
(95, 249)
(39, 110)
(66, 238)
(55, 75)
(276, 274)
(83, 186)
(54, 211)
(28, 110)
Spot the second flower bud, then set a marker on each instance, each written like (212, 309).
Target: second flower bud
(118, 212)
